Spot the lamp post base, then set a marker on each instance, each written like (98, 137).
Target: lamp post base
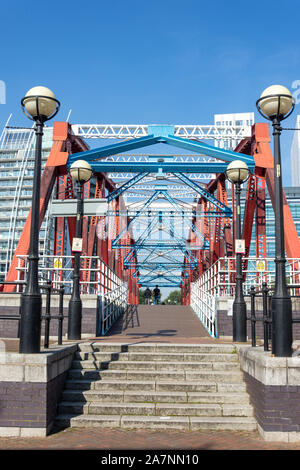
(239, 321)
(282, 328)
(74, 320)
(30, 325)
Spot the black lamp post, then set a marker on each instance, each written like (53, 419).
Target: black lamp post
(237, 173)
(80, 172)
(276, 104)
(39, 105)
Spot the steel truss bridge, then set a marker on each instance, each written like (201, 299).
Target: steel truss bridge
(168, 218)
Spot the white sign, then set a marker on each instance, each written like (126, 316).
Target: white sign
(77, 244)
(68, 207)
(230, 307)
(240, 246)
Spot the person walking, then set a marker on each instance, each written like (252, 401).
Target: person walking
(156, 293)
(148, 295)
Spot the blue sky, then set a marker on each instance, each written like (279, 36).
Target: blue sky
(149, 62)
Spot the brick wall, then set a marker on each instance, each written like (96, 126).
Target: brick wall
(30, 390)
(273, 384)
(30, 405)
(276, 407)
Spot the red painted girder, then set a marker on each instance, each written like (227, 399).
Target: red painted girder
(47, 183)
(291, 238)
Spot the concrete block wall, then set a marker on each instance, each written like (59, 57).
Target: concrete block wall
(273, 384)
(30, 389)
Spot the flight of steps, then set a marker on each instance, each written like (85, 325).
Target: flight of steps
(156, 386)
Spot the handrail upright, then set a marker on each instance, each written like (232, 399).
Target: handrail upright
(60, 314)
(47, 317)
(265, 291)
(253, 317)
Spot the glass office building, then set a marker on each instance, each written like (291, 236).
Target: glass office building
(293, 198)
(17, 152)
(295, 155)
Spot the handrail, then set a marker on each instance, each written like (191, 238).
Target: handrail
(219, 278)
(47, 317)
(204, 306)
(60, 268)
(219, 281)
(110, 306)
(266, 318)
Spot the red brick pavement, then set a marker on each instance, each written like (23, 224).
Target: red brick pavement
(109, 439)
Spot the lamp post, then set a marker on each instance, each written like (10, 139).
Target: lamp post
(80, 172)
(39, 105)
(276, 104)
(237, 173)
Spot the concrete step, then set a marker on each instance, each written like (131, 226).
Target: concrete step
(161, 386)
(156, 409)
(155, 357)
(156, 386)
(157, 348)
(153, 365)
(194, 386)
(159, 422)
(234, 376)
(153, 397)
(89, 384)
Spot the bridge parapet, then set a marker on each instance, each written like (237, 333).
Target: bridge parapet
(212, 295)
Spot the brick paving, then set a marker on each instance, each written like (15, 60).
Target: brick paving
(111, 439)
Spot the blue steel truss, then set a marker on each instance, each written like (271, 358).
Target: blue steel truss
(144, 257)
(113, 195)
(208, 196)
(93, 155)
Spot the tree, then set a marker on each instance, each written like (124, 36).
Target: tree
(141, 297)
(174, 298)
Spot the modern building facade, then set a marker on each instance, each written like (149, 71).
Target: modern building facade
(293, 197)
(235, 120)
(17, 153)
(295, 155)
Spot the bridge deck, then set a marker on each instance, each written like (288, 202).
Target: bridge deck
(167, 323)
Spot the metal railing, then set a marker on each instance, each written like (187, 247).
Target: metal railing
(205, 307)
(47, 317)
(96, 276)
(266, 318)
(111, 305)
(219, 279)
